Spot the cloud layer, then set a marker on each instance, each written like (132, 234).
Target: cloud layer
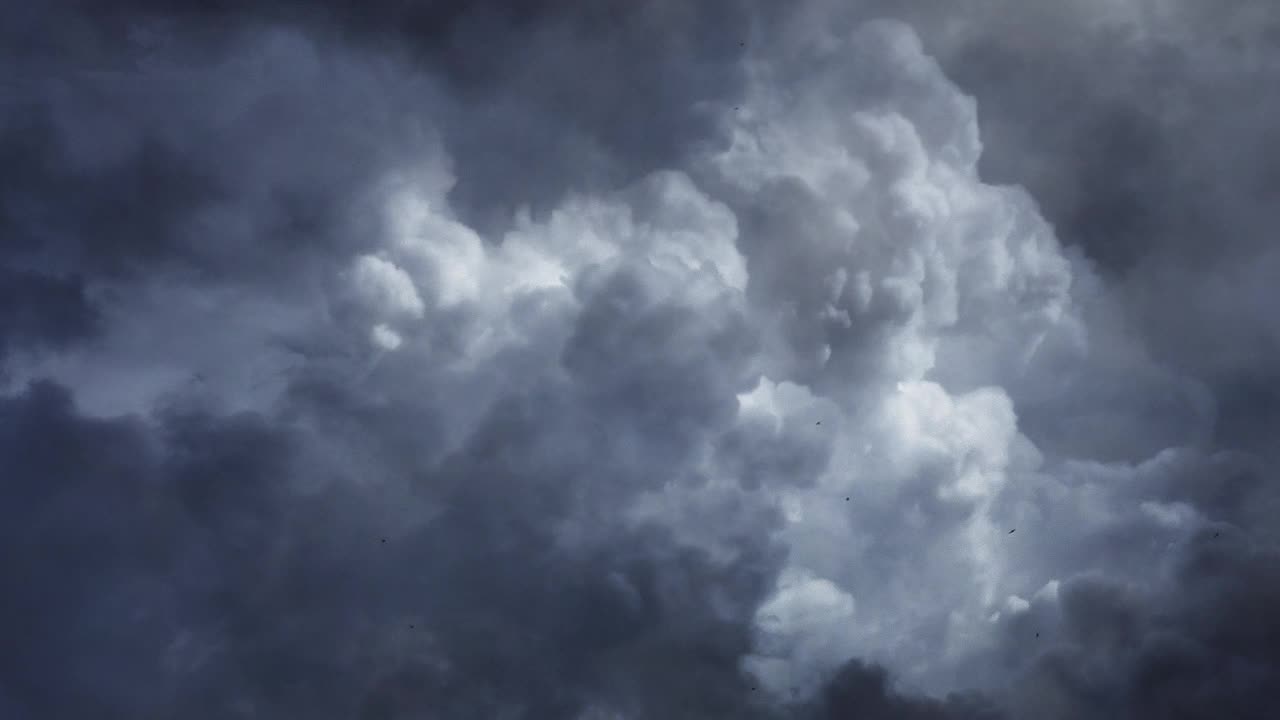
(644, 361)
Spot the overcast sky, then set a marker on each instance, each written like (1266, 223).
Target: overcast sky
(639, 359)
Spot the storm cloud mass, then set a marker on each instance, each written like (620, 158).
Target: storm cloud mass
(655, 359)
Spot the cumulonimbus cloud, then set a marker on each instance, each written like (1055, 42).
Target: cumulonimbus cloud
(805, 420)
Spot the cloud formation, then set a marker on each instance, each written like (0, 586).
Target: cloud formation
(672, 361)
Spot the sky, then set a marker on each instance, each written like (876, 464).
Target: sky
(634, 359)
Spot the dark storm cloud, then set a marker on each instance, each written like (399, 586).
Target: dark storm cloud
(195, 168)
(1151, 145)
(145, 134)
(337, 433)
(1162, 168)
(185, 567)
(862, 691)
(42, 310)
(337, 557)
(208, 565)
(1200, 645)
(603, 92)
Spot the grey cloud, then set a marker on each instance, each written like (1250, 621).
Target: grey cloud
(862, 691)
(588, 114)
(197, 567)
(742, 437)
(193, 144)
(1198, 647)
(1150, 148)
(194, 171)
(1158, 167)
(42, 310)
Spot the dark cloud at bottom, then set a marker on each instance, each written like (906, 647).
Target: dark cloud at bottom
(176, 571)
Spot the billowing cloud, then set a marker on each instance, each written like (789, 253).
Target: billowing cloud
(670, 362)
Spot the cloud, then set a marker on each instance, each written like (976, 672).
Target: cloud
(386, 286)
(865, 691)
(1189, 646)
(1146, 169)
(669, 363)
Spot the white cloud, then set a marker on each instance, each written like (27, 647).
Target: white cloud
(803, 633)
(386, 286)
(385, 338)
